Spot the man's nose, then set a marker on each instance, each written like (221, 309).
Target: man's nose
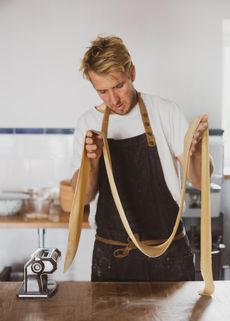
(114, 98)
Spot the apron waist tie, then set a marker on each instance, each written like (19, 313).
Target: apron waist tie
(123, 252)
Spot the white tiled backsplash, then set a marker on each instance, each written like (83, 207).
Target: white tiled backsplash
(38, 161)
(34, 160)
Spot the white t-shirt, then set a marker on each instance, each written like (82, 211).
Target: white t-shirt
(169, 128)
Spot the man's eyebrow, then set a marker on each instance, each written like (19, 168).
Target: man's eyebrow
(100, 89)
(119, 83)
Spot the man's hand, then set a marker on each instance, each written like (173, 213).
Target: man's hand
(194, 174)
(93, 145)
(203, 125)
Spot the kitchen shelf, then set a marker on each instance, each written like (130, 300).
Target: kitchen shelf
(23, 220)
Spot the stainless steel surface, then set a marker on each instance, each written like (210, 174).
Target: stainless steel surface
(41, 237)
(36, 283)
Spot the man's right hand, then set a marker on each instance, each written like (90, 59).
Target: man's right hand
(93, 145)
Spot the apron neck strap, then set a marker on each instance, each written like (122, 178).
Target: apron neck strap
(145, 119)
(105, 121)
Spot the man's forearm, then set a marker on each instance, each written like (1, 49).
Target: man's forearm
(194, 174)
(195, 169)
(92, 185)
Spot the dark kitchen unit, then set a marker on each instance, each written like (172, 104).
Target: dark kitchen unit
(191, 216)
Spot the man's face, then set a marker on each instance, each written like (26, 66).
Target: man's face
(116, 90)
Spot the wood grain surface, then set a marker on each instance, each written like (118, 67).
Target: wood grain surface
(86, 301)
(22, 220)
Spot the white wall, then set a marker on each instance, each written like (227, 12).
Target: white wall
(34, 161)
(176, 46)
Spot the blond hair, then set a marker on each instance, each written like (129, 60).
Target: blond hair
(105, 55)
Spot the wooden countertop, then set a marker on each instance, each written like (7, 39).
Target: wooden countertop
(86, 301)
(28, 220)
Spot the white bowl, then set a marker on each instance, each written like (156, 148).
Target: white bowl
(10, 207)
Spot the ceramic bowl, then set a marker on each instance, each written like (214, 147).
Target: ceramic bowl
(10, 207)
(11, 203)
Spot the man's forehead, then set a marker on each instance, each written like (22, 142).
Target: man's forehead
(108, 80)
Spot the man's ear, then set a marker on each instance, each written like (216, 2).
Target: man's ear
(132, 73)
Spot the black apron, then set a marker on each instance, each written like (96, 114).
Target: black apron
(151, 212)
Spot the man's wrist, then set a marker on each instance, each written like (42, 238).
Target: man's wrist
(94, 164)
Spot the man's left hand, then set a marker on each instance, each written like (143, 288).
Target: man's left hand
(203, 125)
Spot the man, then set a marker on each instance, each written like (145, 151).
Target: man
(146, 147)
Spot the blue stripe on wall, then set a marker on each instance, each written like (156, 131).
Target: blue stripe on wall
(29, 131)
(68, 131)
(38, 131)
(6, 130)
(63, 131)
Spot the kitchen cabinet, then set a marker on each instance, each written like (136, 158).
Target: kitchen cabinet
(75, 301)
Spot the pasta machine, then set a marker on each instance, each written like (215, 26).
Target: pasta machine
(36, 283)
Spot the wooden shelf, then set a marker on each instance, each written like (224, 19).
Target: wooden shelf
(26, 220)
